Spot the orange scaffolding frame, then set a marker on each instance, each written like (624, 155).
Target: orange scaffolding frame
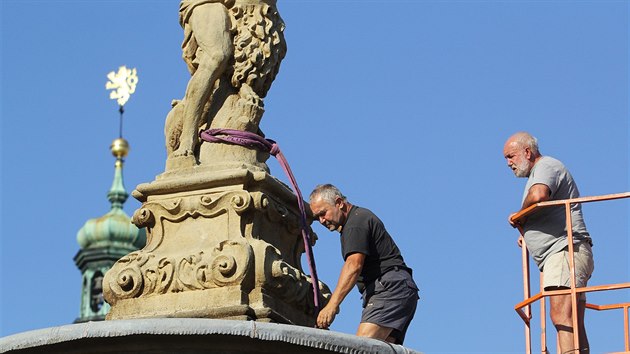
(523, 308)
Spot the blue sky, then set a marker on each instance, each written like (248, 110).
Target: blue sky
(404, 105)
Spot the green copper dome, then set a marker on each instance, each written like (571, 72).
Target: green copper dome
(113, 229)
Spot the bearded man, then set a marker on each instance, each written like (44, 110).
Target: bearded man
(545, 233)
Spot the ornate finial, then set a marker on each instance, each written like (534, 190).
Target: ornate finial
(119, 148)
(117, 194)
(123, 83)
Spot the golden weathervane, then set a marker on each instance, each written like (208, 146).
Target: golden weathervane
(123, 84)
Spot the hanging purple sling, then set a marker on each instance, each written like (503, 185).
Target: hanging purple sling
(255, 141)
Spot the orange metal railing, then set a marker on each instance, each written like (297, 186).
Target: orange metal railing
(523, 308)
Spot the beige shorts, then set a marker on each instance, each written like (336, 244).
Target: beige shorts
(556, 270)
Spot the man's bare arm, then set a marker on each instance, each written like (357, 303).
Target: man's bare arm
(347, 279)
(536, 194)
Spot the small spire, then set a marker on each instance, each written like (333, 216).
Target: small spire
(117, 194)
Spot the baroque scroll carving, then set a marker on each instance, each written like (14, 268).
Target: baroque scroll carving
(141, 275)
(160, 267)
(291, 284)
(152, 215)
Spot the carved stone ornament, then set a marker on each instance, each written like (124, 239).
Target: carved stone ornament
(215, 251)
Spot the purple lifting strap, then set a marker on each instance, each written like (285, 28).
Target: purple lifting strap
(255, 141)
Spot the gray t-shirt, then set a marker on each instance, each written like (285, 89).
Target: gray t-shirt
(545, 230)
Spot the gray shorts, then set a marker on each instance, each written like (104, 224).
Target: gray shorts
(556, 271)
(393, 303)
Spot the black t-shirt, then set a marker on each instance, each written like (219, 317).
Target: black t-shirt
(365, 233)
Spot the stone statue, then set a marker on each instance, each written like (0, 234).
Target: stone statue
(223, 235)
(233, 50)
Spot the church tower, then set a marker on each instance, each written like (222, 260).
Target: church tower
(106, 239)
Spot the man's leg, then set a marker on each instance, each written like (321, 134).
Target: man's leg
(373, 330)
(556, 277)
(562, 316)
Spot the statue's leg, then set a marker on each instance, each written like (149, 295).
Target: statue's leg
(210, 25)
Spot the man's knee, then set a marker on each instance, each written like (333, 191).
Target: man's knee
(561, 308)
(373, 330)
(560, 315)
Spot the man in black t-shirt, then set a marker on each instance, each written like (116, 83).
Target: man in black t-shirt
(373, 262)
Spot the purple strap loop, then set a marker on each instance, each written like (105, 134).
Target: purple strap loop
(255, 141)
(275, 149)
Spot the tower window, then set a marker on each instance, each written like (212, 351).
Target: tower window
(96, 292)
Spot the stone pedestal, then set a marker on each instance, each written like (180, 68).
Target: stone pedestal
(220, 244)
